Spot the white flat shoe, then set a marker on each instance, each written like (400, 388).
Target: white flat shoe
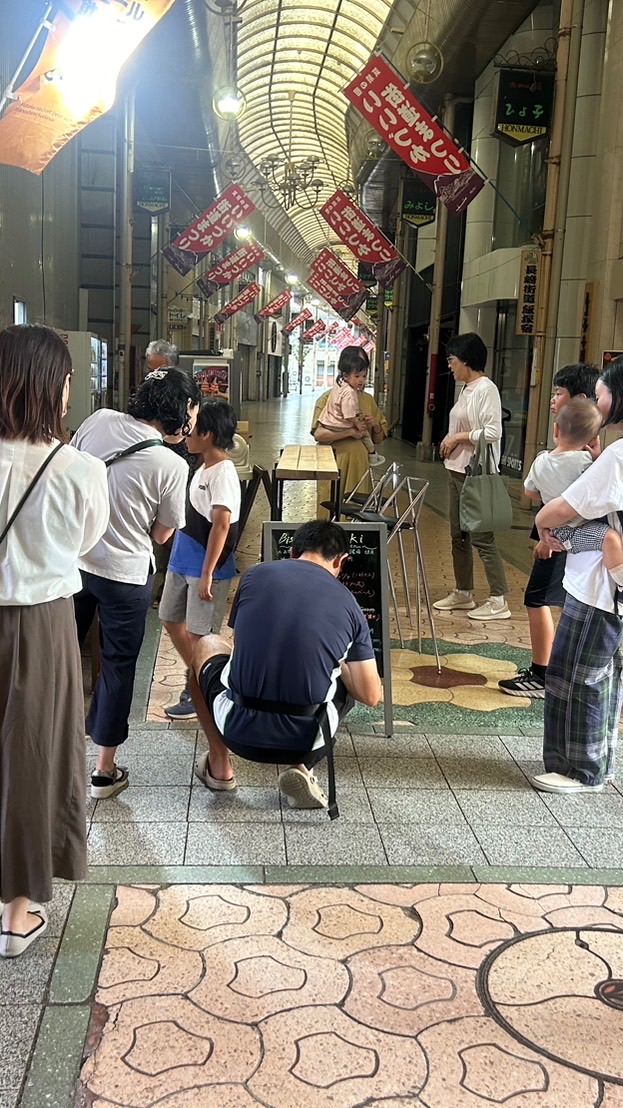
(301, 789)
(12, 944)
(558, 783)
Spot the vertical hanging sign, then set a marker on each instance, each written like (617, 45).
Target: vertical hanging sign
(527, 298)
(382, 98)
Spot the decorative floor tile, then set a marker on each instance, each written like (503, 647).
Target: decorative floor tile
(508, 845)
(140, 804)
(439, 995)
(419, 806)
(234, 843)
(433, 844)
(329, 843)
(245, 805)
(519, 808)
(136, 844)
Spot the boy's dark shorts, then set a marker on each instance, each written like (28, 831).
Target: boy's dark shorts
(544, 589)
(210, 683)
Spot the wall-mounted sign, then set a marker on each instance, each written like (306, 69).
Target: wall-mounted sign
(524, 105)
(610, 356)
(382, 97)
(152, 190)
(528, 291)
(419, 205)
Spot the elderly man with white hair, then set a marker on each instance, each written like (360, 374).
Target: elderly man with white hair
(159, 354)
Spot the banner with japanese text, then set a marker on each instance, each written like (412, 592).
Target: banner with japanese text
(316, 331)
(275, 307)
(328, 267)
(217, 222)
(296, 322)
(73, 82)
(382, 98)
(233, 266)
(247, 296)
(356, 231)
(181, 260)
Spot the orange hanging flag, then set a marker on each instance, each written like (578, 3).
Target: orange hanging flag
(75, 78)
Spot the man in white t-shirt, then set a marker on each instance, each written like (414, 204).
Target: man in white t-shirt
(202, 565)
(147, 488)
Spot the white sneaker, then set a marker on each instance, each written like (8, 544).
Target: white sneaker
(495, 607)
(302, 789)
(559, 783)
(376, 459)
(457, 599)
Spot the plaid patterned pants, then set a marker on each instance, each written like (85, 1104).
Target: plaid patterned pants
(583, 694)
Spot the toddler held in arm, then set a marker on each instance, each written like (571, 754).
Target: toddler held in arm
(576, 426)
(341, 411)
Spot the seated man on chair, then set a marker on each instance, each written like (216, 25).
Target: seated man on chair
(301, 643)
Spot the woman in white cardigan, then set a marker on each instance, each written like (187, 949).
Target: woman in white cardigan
(478, 409)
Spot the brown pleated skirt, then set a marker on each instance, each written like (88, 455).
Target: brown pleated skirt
(42, 750)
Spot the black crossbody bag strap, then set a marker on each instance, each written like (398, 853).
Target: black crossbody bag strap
(132, 450)
(44, 465)
(320, 714)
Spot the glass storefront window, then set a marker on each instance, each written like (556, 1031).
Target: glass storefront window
(521, 180)
(511, 374)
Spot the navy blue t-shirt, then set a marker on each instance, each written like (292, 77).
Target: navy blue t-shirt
(294, 623)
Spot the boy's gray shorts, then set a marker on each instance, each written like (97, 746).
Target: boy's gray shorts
(180, 603)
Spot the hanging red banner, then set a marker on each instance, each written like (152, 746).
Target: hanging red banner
(328, 266)
(240, 301)
(74, 80)
(369, 347)
(417, 137)
(343, 338)
(275, 307)
(231, 267)
(217, 222)
(356, 231)
(315, 332)
(296, 322)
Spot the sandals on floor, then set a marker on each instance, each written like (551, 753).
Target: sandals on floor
(202, 771)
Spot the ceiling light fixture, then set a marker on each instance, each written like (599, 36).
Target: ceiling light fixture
(291, 279)
(294, 184)
(243, 233)
(229, 103)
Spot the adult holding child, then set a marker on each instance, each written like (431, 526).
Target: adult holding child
(348, 444)
(53, 509)
(583, 689)
(477, 412)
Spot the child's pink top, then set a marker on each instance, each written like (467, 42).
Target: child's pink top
(342, 406)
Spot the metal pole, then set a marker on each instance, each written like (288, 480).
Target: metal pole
(163, 238)
(44, 22)
(424, 448)
(396, 322)
(554, 219)
(126, 232)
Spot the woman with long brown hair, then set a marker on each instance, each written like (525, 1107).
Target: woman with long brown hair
(53, 508)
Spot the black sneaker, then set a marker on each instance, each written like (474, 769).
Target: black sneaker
(104, 787)
(526, 683)
(184, 709)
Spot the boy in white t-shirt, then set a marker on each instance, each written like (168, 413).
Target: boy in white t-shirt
(202, 565)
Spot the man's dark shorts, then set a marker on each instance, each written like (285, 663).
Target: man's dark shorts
(210, 683)
(544, 587)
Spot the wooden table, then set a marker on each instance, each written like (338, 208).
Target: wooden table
(305, 463)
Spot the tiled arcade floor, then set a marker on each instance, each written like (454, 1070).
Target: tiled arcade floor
(453, 940)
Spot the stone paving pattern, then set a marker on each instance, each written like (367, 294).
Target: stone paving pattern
(445, 996)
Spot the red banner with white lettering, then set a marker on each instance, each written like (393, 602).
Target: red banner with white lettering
(240, 301)
(233, 266)
(275, 307)
(327, 266)
(217, 222)
(417, 137)
(296, 322)
(342, 338)
(316, 331)
(356, 231)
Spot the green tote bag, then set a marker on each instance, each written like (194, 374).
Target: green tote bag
(485, 504)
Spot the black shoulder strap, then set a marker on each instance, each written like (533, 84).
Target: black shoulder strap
(44, 465)
(133, 450)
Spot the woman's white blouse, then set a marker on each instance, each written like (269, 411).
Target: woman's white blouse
(477, 409)
(65, 516)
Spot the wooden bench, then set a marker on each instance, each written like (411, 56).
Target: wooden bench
(305, 463)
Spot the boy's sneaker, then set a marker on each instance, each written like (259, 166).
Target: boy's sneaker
(457, 599)
(184, 709)
(526, 683)
(495, 607)
(104, 787)
(376, 459)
